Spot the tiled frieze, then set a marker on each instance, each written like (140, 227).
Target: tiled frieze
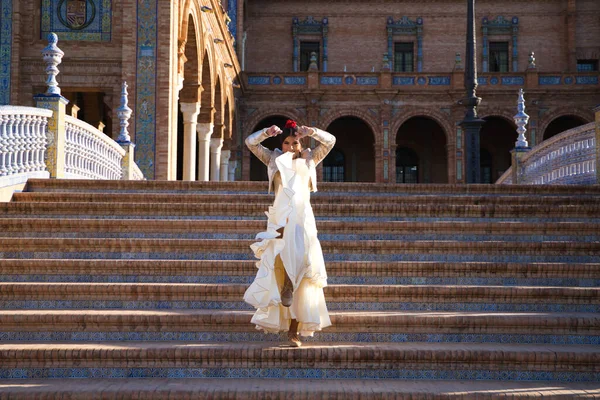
(146, 76)
(298, 373)
(5, 50)
(88, 20)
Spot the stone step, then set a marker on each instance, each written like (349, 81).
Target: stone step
(82, 325)
(239, 249)
(340, 272)
(78, 227)
(314, 360)
(317, 198)
(331, 210)
(106, 186)
(351, 294)
(288, 389)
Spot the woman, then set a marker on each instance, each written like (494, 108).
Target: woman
(288, 289)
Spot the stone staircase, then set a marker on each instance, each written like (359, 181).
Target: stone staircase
(435, 292)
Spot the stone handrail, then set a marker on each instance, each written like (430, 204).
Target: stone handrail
(29, 142)
(567, 158)
(23, 140)
(89, 153)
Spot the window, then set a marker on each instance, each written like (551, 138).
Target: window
(333, 166)
(498, 56)
(306, 49)
(485, 162)
(587, 65)
(407, 166)
(403, 57)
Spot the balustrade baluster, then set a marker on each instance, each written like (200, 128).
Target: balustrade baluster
(11, 145)
(28, 164)
(3, 145)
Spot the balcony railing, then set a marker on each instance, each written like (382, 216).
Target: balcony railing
(417, 81)
(567, 158)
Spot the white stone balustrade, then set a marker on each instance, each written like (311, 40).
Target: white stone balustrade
(567, 158)
(89, 153)
(22, 139)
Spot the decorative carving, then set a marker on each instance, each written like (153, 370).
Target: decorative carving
(521, 120)
(88, 20)
(124, 113)
(52, 56)
(531, 61)
(404, 26)
(310, 26)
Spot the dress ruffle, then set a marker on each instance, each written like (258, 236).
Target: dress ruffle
(300, 252)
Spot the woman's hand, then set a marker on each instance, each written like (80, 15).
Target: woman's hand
(304, 131)
(274, 130)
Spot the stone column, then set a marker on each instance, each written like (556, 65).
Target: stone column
(224, 172)
(216, 144)
(190, 113)
(232, 167)
(205, 131)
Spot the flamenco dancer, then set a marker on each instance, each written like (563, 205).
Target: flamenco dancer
(288, 289)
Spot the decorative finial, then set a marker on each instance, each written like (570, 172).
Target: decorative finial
(521, 120)
(52, 56)
(532, 61)
(458, 62)
(313, 62)
(385, 66)
(124, 113)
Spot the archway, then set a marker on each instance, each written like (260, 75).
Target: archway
(189, 92)
(407, 165)
(258, 171)
(334, 169)
(355, 141)
(562, 124)
(421, 155)
(497, 139)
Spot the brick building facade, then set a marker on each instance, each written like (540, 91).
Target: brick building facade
(177, 57)
(387, 78)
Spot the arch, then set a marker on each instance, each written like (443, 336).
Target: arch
(331, 116)
(412, 112)
(503, 114)
(260, 115)
(551, 115)
(207, 92)
(561, 124)
(407, 165)
(426, 137)
(190, 92)
(357, 146)
(486, 163)
(219, 114)
(334, 169)
(497, 136)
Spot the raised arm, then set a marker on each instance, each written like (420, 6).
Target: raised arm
(326, 142)
(254, 145)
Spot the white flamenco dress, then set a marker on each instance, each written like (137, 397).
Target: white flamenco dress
(298, 251)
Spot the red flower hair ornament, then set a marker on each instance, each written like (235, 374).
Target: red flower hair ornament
(291, 124)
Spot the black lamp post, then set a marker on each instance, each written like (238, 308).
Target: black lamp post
(471, 124)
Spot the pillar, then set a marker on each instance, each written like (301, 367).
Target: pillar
(205, 131)
(190, 113)
(225, 154)
(216, 144)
